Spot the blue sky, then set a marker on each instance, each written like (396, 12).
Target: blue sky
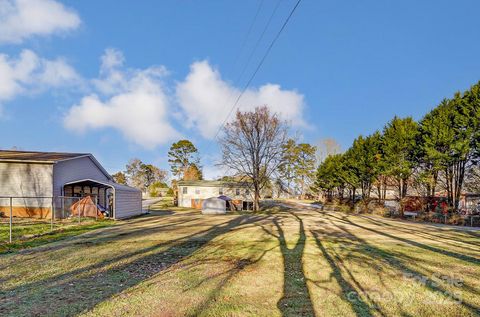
(123, 79)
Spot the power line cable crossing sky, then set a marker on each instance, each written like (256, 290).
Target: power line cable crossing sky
(156, 72)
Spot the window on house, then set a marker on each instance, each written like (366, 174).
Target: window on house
(220, 191)
(197, 191)
(185, 190)
(237, 191)
(247, 192)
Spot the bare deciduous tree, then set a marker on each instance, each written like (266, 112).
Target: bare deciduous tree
(252, 147)
(326, 147)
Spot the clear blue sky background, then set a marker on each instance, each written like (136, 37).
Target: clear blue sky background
(357, 63)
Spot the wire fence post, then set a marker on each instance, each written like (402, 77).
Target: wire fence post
(11, 216)
(96, 208)
(52, 217)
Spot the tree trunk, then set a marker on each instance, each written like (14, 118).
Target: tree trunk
(256, 197)
(400, 186)
(458, 180)
(302, 188)
(434, 184)
(449, 180)
(384, 190)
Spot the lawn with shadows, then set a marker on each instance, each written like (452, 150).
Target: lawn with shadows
(292, 261)
(28, 232)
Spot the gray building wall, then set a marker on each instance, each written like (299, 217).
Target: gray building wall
(26, 179)
(75, 169)
(128, 203)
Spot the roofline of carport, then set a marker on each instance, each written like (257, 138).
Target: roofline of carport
(102, 183)
(89, 180)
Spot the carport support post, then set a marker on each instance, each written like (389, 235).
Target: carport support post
(96, 208)
(11, 216)
(53, 214)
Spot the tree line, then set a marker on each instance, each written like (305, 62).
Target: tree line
(438, 154)
(184, 165)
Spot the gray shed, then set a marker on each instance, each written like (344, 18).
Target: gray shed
(214, 206)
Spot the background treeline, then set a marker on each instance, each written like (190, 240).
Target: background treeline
(437, 155)
(184, 163)
(149, 178)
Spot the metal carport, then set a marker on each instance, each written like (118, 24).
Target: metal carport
(127, 201)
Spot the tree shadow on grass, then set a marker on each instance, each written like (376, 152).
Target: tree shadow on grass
(295, 300)
(459, 256)
(445, 237)
(350, 294)
(375, 255)
(81, 289)
(118, 232)
(225, 277)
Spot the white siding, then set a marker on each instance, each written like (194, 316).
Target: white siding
(26, 179)
(128, 203)
(75, 169)
(204, 192)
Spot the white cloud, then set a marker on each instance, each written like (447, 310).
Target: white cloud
(57, 73)
(137, 103)
(30, 73)
(111, 59)
(21, 19)
(134, 102)
(206, 99)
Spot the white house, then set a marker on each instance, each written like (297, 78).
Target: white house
(36, 180)
(192, 193)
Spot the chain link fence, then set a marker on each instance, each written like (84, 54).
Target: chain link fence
(22, 218)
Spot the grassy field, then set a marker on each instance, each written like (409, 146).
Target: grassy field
(294, 261)
(27, 233)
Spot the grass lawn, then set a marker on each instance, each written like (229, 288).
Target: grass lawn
(27, 233)
(295, 261)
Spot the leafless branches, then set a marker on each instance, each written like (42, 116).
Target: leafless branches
(252, 147)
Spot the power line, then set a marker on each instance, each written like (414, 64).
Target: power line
(248, 33)
(240, 76)
(258, 67)
(257, 43)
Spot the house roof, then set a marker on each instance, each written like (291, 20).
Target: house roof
(32, 156)
(46, 158)
(210, 183)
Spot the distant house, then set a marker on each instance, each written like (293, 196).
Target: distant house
(192, 193)
(38, 181)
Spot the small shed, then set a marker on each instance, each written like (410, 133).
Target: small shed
(214, 206)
